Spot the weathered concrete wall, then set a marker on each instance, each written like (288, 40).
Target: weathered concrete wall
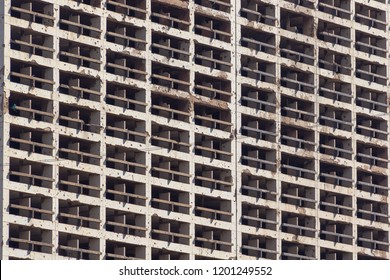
(183, 130)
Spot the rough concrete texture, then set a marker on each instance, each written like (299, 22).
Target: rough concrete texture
(207, 129)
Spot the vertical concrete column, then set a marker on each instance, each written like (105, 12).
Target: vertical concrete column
(278, 154)
(56, 112)
(103, 118)
(191, 127)
(316, 83)
(4, 126)
(236, 144)
(235, 206)
(388, 114)
(353, 138)
(148, 128)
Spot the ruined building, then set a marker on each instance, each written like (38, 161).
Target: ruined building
(198, 129)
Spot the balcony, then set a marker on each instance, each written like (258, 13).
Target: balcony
(125, 159)
(370, 44)
(260, 247)
(335, 118)
(297, 22)
(257, 40)
(372, 183)
(213, 238)
(335, 147)
(129, 8)
(80, 23)
(334, 34)
(170, 77)
(212, 87)
(295, 251)
(79, 182)
(78, 86)
(124, 191)
(79, 118)
(258, 217)
(213, 58)
(258, 128)
(258, 158)
(33, 11)
(125, 66)
(170, 200)
(126, 223)
(174, 15)
(297, 109)
(258, 187)
(213, 178)
(31, 75)
(373, 239)
(372, 210)
(336, 203)
(80, 54)
(79, 214)
(259, 99)
(370, 16)
(371, 127)
(335, 62)
(31, 173)
(126, 128)
(213, 208)
(371, 72)
(212, 147)
(170, 47)
(170, 108)
(299, 225)
(170, 231)
(298, 166)
(297, 137)
(218, 5)
(170, 169)
(297, 51)
(371, 99)
(258, 11)
(213, 118)
(126, 35)
(336, 8)
(125, 97)
(31, 42)
(336, 232)
(124, 251)
(372, 155)
(30, 205)
(336, 175)
(170, 138)
(298, 195)
(80, 151)
(30, 239)
(258, 70)
(78, 247)
(297, 80)
(31, 140)
(212, 28)
(335, 90)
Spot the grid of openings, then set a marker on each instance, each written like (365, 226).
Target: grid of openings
(189, 117)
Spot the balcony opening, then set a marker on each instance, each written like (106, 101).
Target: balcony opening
(213, 178)
(125, 191)
(125, 159)
(79, 182)
(259, 158)
(126, 97)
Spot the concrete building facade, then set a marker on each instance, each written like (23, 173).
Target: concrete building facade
(205, 129)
